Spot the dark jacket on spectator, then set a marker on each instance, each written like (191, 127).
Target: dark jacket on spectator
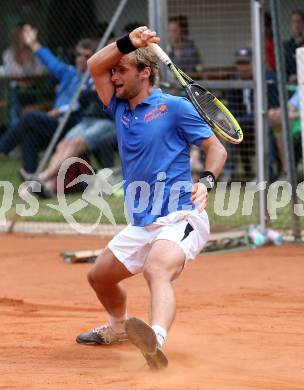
(290, 47)
(91, 105)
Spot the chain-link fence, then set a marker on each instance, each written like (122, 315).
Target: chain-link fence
(287, 34)
(45, 48)
(218, 35)
(211, 41)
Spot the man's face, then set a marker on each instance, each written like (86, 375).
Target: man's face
(127, 79)
(244, 69)
(296, 25)
(82, 56)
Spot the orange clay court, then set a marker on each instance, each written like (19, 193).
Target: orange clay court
(239, 325)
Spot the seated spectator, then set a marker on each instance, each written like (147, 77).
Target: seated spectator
(35, 129)
(182, 50)
(19, 61)
(241, 104)
(275, 116)
(269, 43)
(94, 134)
(290, 46)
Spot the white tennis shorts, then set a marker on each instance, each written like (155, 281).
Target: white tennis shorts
(188, 229)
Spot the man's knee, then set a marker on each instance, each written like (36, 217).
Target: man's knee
(107, 272)
(153, 272)
(62, 145)
(164, 268)
(78, 144)
(92, 278)
(97, 282)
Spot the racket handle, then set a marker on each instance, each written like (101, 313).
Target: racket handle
(158, 51)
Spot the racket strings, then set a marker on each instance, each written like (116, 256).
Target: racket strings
(205, 101)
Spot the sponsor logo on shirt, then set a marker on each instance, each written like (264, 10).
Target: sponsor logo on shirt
(125, 120)
(156, 112)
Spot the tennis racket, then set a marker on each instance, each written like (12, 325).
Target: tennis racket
(213, 111)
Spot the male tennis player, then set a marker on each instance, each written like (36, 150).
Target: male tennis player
(169, 225)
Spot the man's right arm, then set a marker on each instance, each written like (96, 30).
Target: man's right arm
(100, 66)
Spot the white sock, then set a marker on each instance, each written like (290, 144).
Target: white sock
(161, 334)
(118, 323)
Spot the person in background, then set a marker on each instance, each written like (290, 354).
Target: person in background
(269, 44)
(90, 135)
(290, 46)
(19, 61)
(241, 104)
(35, 129)
(275, 116)
(182, 49)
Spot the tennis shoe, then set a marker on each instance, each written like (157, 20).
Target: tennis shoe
(144, 338)
(101, 335)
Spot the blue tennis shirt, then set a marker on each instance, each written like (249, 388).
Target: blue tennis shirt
(154, 141)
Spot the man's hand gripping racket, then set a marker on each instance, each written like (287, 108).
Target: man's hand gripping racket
(214, 112)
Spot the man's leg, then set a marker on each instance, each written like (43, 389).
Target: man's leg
(164, 263)
(159, 271)
(14, 135)
(87, 135)
(105, 278)
(39, 129)
(15, 106)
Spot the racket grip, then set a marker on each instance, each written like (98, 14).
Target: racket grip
(158, 51)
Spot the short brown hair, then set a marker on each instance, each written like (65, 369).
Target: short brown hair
(182, 22)
(298, 12)
(87, 44)
(145, 57)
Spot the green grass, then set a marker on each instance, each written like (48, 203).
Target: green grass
(9, 169)
(9, 172)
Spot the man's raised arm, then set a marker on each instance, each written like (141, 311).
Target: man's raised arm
(101, 63)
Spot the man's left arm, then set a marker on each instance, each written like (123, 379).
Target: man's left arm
(51, 62)
(215, 159)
